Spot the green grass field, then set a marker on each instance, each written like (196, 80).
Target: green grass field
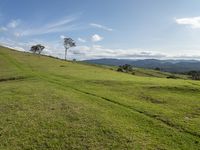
(150, 73)
(47, 103)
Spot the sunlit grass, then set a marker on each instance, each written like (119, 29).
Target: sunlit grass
(47, 103)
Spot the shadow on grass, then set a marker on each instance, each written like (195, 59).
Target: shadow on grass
(12, 78)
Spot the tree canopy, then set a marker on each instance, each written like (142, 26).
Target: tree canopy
(68, 43)
(37, 48)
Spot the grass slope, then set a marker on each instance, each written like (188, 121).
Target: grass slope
(47, 103)
(144, 72)
(151, 73)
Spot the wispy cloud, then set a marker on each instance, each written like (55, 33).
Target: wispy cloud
(81, 40)
(61, 22)
(96, 38)
(2, 29)
(13, 23)
(193, 22)
(65, 24)
(101, 26)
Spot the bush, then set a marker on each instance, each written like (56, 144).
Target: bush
(172, 77)
(157, 69)
(125, 68)
(133, 73)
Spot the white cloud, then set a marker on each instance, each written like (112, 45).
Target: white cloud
(62, 37)
(193, 22)
(13, 24)
(56, 49)
(97, 51)
(96, 38)
(81, 40)
(2, 29)
(12, 44)
(101, 26)
(17, 34)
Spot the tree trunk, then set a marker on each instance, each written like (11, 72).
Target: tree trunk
(65, 54)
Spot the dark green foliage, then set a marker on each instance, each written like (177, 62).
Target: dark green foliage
(157, 68)
(195, 75)
(37, 48)
(125, 68)
(172, 77)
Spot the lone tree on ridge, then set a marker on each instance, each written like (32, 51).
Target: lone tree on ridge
(68, 43)
(37, 48)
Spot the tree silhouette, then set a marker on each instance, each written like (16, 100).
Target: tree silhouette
(37, 48)
(68, 43)
(125, 68)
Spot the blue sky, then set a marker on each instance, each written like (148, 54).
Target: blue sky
(104, 28)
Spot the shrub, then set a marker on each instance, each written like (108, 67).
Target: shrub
(125, 68)
(172, 77)
(157, 68)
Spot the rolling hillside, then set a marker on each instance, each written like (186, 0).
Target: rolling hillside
(142, 72)
(47, 103)
(174, 66)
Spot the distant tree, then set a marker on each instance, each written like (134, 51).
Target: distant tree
(194, 74)
(172, 77)
(37, 48)
(125, 68)
(157, 68)
(68, 43)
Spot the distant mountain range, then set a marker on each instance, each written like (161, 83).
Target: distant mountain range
(176, 66)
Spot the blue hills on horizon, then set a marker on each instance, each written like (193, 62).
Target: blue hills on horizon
(168, 65)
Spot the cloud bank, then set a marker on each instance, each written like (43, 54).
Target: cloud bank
(56, 49)
(97, 51)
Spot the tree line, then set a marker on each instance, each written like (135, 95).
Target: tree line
(195, 75)
(68, 43)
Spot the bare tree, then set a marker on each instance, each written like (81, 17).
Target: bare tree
(37, 48)
(68, 43)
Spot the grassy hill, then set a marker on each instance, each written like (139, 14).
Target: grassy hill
(47, 103)
(143, 72)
